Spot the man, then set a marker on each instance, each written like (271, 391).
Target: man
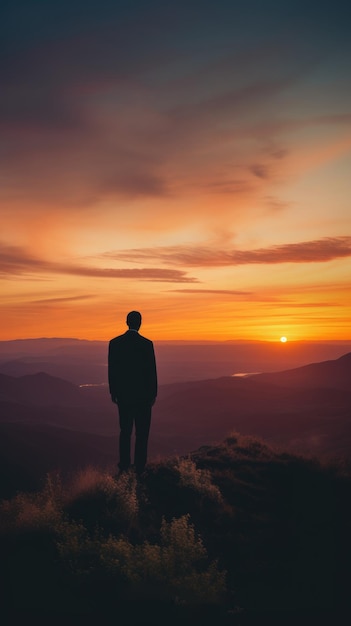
(133, 387)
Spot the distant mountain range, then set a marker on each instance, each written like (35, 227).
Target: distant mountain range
(76, 361)
(48, 423)
(307, 409)
(82, 361)
(40, 389)
(334, 374)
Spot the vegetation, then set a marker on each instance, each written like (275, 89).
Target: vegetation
(230, 534)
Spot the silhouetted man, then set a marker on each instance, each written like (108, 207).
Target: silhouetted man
(133, 386)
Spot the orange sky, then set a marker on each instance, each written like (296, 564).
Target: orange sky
(207, 184)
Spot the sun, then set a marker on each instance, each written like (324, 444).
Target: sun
(283, 339)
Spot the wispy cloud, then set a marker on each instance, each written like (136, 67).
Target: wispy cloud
(153, 274)
(15, 260)
(73, 140)
(222, 292)
(95, 107)
(317, 251)
(297, 305)
(62, 300)
(82, 123)
(275, 204)
(259, 170)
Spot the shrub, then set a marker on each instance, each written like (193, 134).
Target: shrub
(42, 510)
(198, 480)
(100, 499)
(175, 570)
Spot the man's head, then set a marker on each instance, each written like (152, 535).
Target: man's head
(134, 320)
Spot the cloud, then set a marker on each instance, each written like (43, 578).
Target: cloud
(297, 305)
(62, 299)
(15, 260)
(275, 204)
(153, 274)
(86, 112)
(317, 251)
(72, 151)
(226, 186)
(259, 170)
(226, 292)
(103, 103)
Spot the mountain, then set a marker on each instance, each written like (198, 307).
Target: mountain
(305, 410)
(40, 390)
(82, 361)
(73, 370)
(314, 420)
(333, 374)
(41, 345)
(77, 361)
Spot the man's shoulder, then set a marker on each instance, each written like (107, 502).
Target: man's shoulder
(117, 339)
(145, 339)
(131, 338)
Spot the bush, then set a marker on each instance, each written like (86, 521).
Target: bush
(116, 501)
(42, 510)
(176, 570)
(198, 480)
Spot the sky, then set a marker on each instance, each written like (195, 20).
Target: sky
(190, 160)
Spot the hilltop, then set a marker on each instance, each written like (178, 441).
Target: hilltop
(238, 533)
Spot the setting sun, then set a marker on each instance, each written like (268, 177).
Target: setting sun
(283, 339)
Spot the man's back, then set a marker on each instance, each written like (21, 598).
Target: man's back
(132, 368)
(133, 387)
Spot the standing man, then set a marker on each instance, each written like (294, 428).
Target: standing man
(132, 380)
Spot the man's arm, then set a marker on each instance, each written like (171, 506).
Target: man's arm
(111, 373)
(153, 374)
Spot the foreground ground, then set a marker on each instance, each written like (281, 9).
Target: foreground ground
(238, 533)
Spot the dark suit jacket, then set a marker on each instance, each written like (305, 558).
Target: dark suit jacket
(132, 369)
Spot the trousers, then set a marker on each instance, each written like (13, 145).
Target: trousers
(139, 416)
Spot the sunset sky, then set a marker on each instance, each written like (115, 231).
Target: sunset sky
(188, 159)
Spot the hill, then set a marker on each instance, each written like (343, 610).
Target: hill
(29, 451)
(332, 374)
(40, 389)
(235, 534)
(307, 409)
(54, 422)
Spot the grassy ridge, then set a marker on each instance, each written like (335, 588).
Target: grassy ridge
(236, 533)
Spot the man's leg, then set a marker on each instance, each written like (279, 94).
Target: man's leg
(142, 429)
(126, 427)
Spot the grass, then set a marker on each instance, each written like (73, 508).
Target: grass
(236, 533)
